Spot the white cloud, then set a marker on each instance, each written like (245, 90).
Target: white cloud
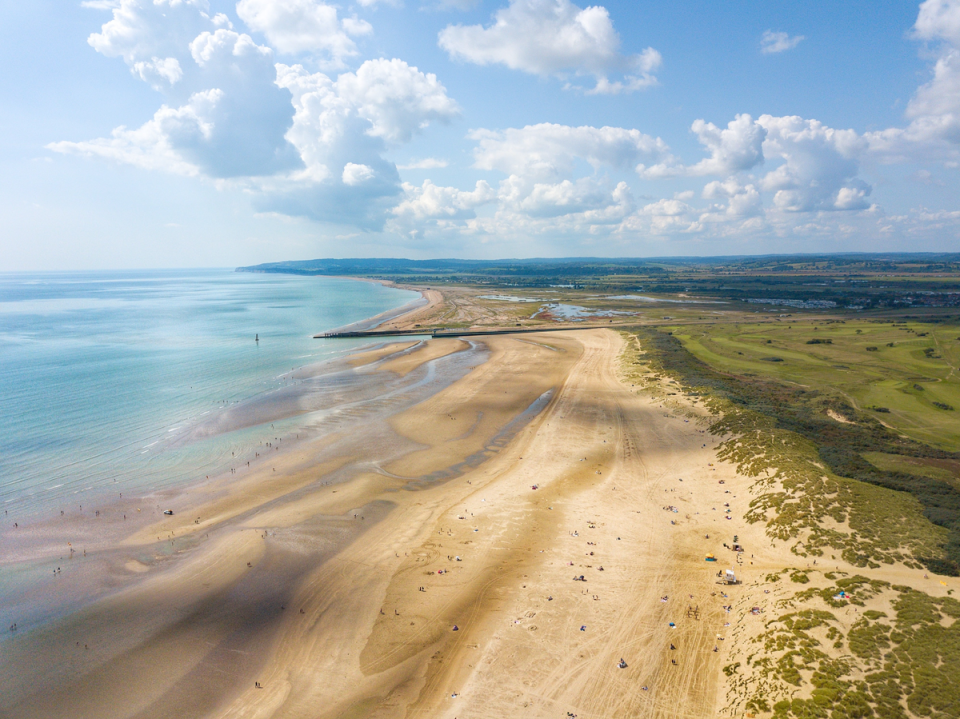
(549, 37)
(743, 200)
(305, 143)
(354, 174)
(152, 146)
(663, 217)
(933, 133)
(645, 63)
(300, 143)
(562, 198)
(737, 148)
(939, 20)
(666, 208)
(427, 163)
(233, 129)
(940, 98)
(820, 165)
(396, 98)
(774, 42)
(341, 129)
(157, 69)
(224, 117)
(432, 202)
(549, 150)
(296, 26)
(141, 30)
(220, 20)
(209, 47)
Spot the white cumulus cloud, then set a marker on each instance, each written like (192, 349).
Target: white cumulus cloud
(341, 130)
(737, 148)
(354, 174)
(933, 133)
(431, 202)
(397, 99)
(297, 26)
(543, 199)
(154, 145)
(820, 165)
(233, 128)
(549, 37)
(549, 150)
(142, 30)
(938, 20)
(158, 69)
(742, 199)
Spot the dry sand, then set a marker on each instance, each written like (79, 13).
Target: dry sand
(437, 581)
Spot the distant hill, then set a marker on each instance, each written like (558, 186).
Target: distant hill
(607, 266)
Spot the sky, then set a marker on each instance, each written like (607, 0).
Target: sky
(215, 133)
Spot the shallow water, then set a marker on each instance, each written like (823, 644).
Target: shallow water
(126, 381)
(575, 313)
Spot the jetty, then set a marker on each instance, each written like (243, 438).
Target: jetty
(467, 332)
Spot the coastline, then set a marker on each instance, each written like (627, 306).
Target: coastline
(52, 546)
(471, 527)
(345, 537)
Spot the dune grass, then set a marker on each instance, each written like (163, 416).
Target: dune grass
(893, 661)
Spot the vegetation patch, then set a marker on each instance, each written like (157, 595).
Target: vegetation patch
(892, 662)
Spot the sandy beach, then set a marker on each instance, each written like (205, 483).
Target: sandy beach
(492, 546)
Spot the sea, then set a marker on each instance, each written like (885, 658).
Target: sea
(103, 373)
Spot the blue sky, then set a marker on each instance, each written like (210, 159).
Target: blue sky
(162, 133)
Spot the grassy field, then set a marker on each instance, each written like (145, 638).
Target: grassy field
(947, 470)
(908, 369)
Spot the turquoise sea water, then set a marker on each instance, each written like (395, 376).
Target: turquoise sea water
(100, 372)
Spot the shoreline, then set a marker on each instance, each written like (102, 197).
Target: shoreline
(423, 302)
(504, 525)
(319, 562)
(56, 546)
(289, 551)
(92, 541)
